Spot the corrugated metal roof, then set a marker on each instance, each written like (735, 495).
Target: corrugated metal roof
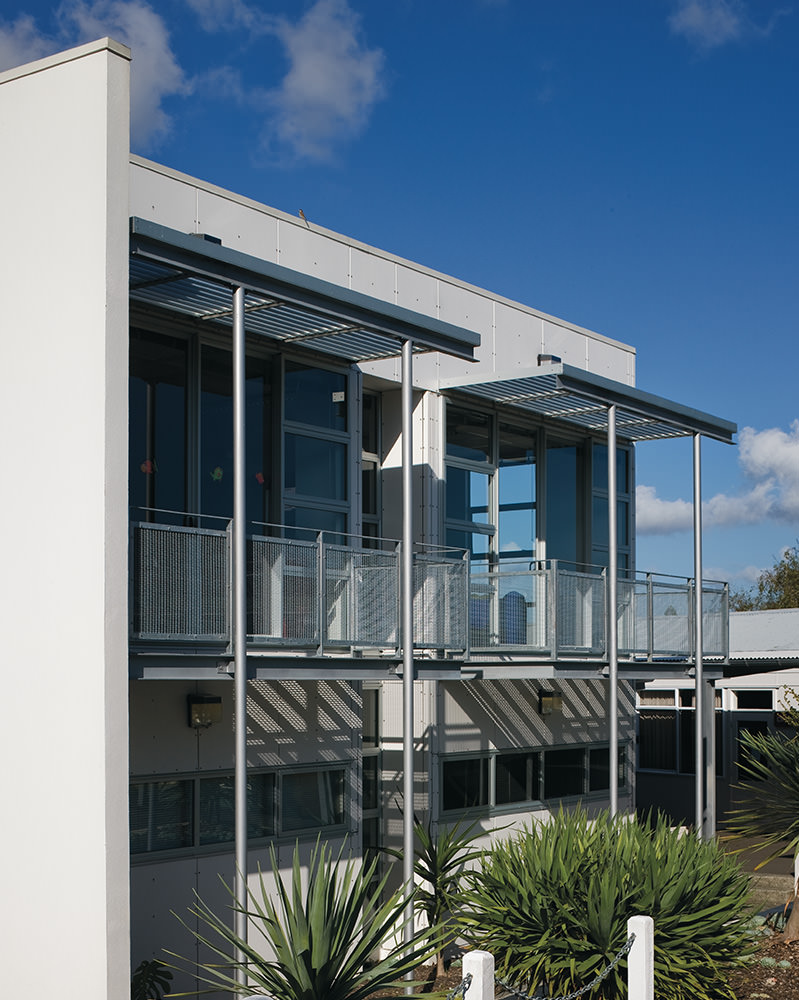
(577, 397)
(765, 635)
(194, 277)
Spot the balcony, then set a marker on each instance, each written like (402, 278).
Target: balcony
(320, 595)
(315, 593)
(558, 611)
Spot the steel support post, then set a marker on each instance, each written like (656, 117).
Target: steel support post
(240, 619)
(407, 635)
(700, 719)
(613, 615)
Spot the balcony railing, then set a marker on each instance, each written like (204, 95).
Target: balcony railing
(318, 593)
(556, 611)
(312, 593)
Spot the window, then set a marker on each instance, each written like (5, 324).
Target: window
(491, 487)
(525, 777)
(465, 783)
(666, 731)
(311, 799)
(517, 777)
(181, 429)
(198, 811)
(370, 465)
(316, 486)
(599, 506)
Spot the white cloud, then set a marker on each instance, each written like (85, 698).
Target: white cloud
(227, 15)
(155, 71)
(708, 24)
(331, 85)
(21, 42)
(769, 460)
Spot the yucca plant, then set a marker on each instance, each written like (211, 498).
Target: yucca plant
(440, 857)
(770, 762)
(552, 904)
(323, 936)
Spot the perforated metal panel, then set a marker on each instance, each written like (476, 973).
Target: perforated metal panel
(580, 616)
(284, 588)
(509, 610)
(440, 601)
(181, 583)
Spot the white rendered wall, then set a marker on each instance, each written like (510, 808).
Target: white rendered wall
(512, 335)
(63, 422)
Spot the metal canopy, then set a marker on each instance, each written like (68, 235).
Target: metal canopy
(193, 276)
(574, 396)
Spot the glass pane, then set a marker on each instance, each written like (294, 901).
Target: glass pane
(517, 534)
(259, 439)
(315, 467)
(600, 468)
(468, 434)
(309, 520)
(563, 772)
(562, 503)
(598, 769)
(371, 723)
(369, 487)
(312, 799)
(315, 396)
(467, 495)
(465, 783)
(157, 453)
(161, 815)
(216, 433)
(370, 782)
(370, 426)
(516, 777)
(657, 740)
(218, 808)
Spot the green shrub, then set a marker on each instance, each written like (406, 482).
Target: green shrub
(323, 930)
(552, 905)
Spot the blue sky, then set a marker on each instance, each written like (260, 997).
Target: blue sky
(629, 166)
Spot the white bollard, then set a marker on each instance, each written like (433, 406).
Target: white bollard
(481, 966)
(641, 959)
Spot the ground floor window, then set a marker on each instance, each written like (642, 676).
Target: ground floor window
(524, 777)
(198, 811)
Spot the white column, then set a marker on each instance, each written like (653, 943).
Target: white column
(641, 959)
(64, 250)
(480, 964)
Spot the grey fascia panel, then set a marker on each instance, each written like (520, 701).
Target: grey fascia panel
(232, 267)
(580, 384)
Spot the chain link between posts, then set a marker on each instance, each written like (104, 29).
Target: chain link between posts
(598, 978)
(461, 988)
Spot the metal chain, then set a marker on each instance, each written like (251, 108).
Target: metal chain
(598, 978)
(461, 988)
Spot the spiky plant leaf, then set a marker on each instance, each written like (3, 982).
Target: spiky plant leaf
(552, 904)
(323, 935)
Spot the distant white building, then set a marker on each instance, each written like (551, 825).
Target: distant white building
(155, 546)
(760, 682)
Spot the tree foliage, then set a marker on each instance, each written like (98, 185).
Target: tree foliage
(777, 587)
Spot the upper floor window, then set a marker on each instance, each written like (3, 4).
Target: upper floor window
(490, 487)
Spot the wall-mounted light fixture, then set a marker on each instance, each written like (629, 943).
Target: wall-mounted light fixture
(549, 702)
(204, 710)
